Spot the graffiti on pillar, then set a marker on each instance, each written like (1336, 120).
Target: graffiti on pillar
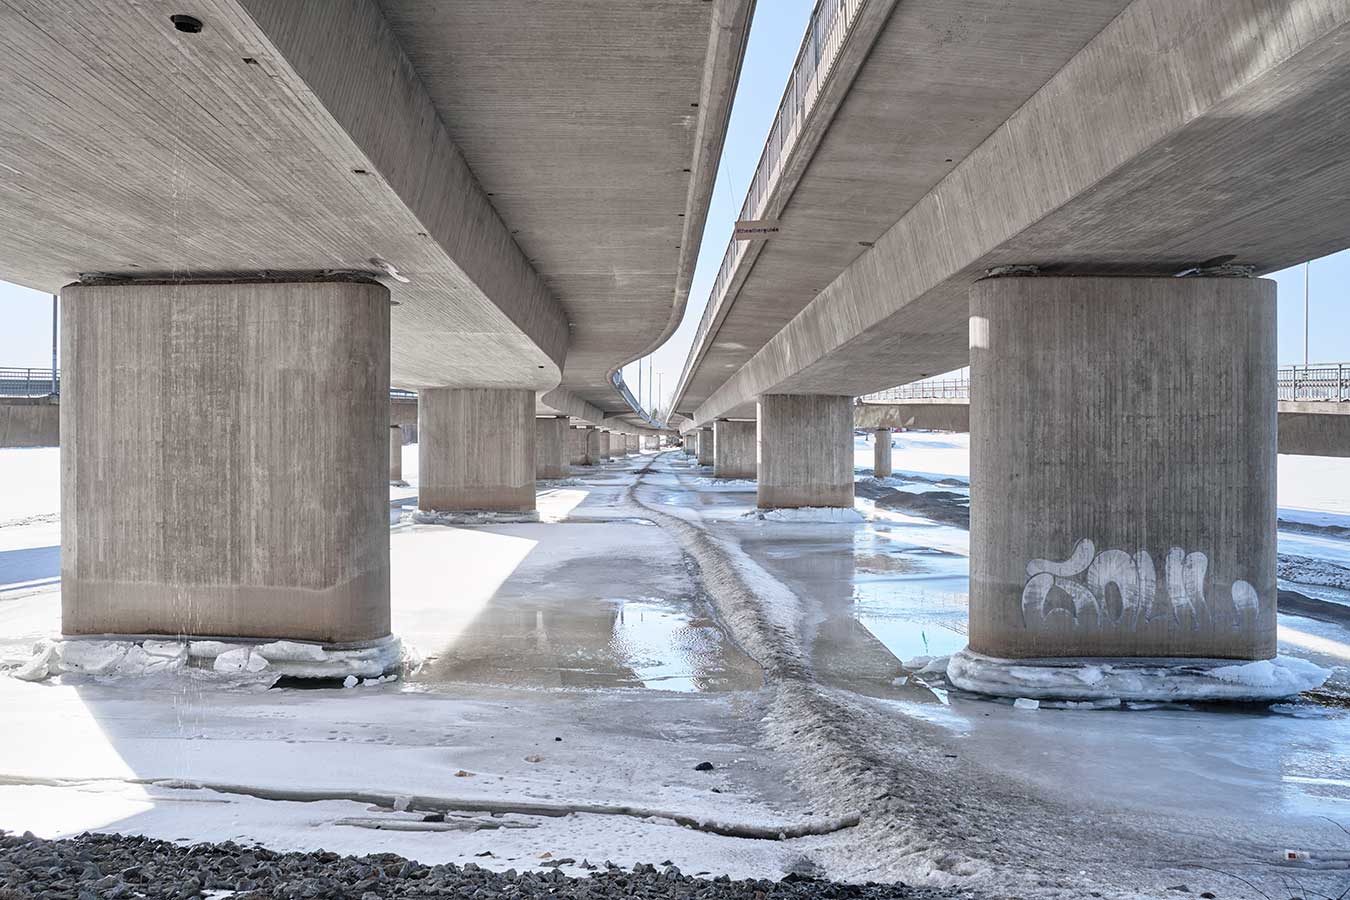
(1114, 587)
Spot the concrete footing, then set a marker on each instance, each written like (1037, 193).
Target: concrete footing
(1123, 440)
(475, 450)
(704, 446)
(734, 452)
(550, 447)
(805, 451)
(881, 453)
(223, 447)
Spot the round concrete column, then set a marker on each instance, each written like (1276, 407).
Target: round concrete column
(1122, 470)
(395, 453)
(476, 450)
(733, 449)
(881, 453)
(606, 446)
(222, 447)
(805, 451)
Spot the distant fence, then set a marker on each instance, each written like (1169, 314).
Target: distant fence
(1318, 381)
(16, 382)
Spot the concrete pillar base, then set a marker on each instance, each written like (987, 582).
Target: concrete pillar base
(1109, 681)
(734, 449)
(469, 517)
(222, 452)
(476, 451)
(805, 451)
(1123, 469)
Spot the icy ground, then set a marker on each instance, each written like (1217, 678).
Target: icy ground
(651, 625)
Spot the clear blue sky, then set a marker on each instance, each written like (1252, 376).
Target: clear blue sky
(25, 316)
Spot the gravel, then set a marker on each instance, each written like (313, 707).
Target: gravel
(114, 867)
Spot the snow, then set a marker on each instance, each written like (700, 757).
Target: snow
(30, 483)
(1189, 680)
(829, 515)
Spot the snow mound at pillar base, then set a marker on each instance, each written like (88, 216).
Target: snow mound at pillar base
(1131, 680)
(236, 664)
(830, 515)
(468, 517)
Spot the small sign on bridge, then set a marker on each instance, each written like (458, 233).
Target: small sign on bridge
(755, 229)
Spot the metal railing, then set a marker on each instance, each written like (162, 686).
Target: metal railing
(1318, 381)
(622, 387)
(825, 36)
(15, 382)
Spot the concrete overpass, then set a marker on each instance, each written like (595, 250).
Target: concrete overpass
(1016, 187)
(260, 214)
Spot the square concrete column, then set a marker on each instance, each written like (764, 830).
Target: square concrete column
(606, 446)
(689, 443)
(576, 446)
(224, 456)
(550, 447)
(805, 451)
(881, 453)
(633, 444)
(592, 438)
(734, 450)
(395, 453)
(476, 450)
(1123, 440)
(705, 447)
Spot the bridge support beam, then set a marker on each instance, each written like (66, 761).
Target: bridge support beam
(704, 447)
(1123, 440)
(805, 451)
(550, 447)
(734, 449)
(395, 453)
(222, 452)
(881, 453)
(476, 450)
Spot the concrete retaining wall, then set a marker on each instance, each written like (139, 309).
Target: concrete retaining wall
(29, 422)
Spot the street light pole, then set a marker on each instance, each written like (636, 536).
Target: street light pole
(1307, 268)
(53, 343)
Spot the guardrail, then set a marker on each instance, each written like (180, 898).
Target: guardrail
(622, 387)
(824, 38)
(1317, 381)
(16, 382)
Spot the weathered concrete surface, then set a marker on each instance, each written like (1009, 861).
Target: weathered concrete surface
(476, 449)
(395, 453)
(1163, 445)
(595, 450)
(734, 449)
(704, 446)
(550, 447)
(1164, 143)
(881, 453)
(576, 446)
(1315, 428)
(403, 413)
(224, 456)
(805, 451)
(30, 422)
(925, 415)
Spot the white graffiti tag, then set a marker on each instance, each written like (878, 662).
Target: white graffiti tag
(1116, 588)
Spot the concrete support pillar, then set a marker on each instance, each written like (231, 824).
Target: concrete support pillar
(805, 451)
(1123, 439)
(592, 438)
(550, 447)
(606, 446)
(476, 450)
(632, 442)
(734, 449)
(881, 453)
(689, 443)
(222, 452)
(704, 447)
(395, 453)
(576, 446)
